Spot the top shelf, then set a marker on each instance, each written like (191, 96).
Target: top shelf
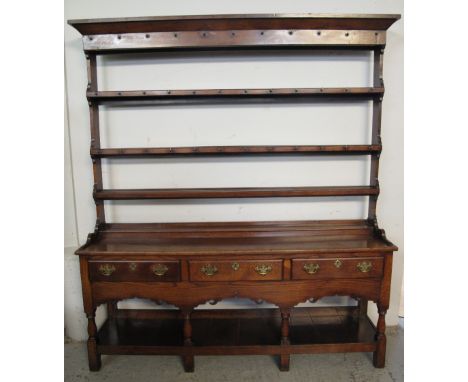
(233, 31)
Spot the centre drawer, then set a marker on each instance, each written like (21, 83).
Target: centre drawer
(357, 267)
(134, 271)
(235, 270)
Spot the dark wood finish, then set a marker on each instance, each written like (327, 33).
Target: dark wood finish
(188, 360)
(281, 262)
(236, 270)
(259, 192)
(112, 309)
(235, 150)
(94, 357)
(284, 356)
(234, 31)
(235, 40)
(382, 307)
(285, 240)
(134, 271)
(336, 268)
(216, 96)
(311, 330)
(95, 134)
(376, 130)
(284, 294)
(233, 22)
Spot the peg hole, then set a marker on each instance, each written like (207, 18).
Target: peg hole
(119, 37)
(346, 34)
(290, 33)
(262, 33)
(175, 35)
(147, 36)
(319, 33)
(233, 34)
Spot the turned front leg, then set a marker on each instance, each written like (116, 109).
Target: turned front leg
(284, 358)
(188, 360)
(379, 354)
(94, 358)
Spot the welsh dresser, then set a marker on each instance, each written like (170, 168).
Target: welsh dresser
(280, 262)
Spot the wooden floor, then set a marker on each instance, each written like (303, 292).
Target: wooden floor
(247, 331)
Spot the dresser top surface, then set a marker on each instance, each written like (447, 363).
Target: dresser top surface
(253, 238)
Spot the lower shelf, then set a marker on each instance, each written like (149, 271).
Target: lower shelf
(246, 331)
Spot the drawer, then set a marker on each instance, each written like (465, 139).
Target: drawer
(234, 270)
(364, 267)
(134, 270)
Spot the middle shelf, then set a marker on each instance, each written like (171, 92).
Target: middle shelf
(235, 150)
(241, 192)
(230, 95)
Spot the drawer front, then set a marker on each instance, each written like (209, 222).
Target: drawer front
(364, 267)
(234, 270)
(134, 271)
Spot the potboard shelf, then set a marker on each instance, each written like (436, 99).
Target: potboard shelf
(253, 331)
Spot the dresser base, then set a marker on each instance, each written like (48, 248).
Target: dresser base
(282, 263)
(237, 332)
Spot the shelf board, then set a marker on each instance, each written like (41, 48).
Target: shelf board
(258, 192)
(230, 95)
(253, 331)
(280, 239)
(235, 150)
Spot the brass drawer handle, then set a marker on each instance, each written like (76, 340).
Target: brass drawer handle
(263, 269)
(338, 263)
(159, 269)
(311, 268)
(107, 269)
(365, 266)
(235, 266)
(209, 270)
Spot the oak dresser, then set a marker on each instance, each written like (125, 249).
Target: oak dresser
(280, 262)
